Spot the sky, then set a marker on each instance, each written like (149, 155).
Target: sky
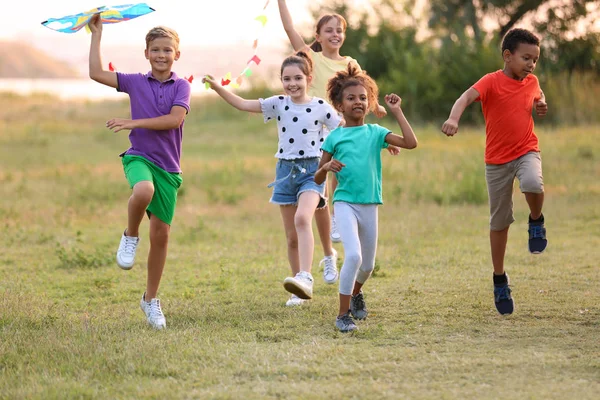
(202, 22)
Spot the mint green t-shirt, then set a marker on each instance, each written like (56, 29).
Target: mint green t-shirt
(359, 148)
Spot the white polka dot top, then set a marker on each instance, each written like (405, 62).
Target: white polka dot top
(300, 126)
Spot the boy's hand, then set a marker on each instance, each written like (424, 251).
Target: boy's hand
(118, 124)
(380, 111)
(333, 166)
(95, 24)
(393, 150)
(393, 101)
(541, 108)
(450, 127)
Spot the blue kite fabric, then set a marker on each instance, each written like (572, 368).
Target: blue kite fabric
(109, 15)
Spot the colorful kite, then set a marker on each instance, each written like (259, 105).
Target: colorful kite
(109, 15)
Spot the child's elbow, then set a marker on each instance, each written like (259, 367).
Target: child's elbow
(412, 145)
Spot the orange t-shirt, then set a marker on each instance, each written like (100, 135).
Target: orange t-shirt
(507, 105)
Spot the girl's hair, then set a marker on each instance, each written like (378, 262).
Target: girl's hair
(302, 60)
(349, 77)
(316, 46)
(162, 31)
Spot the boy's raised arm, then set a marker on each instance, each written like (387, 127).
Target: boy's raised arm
(450, 127)
(286, 18)
(97, 72)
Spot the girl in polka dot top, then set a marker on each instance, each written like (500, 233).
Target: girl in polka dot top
(325, 51)
(353, 153)
(300, 121)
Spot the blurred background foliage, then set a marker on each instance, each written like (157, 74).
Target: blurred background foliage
(430, 52)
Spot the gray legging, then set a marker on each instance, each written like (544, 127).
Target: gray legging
(357, 224)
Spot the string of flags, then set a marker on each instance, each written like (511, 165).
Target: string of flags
(236, 82)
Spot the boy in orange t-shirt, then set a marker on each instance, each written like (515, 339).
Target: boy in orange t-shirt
(507, 97)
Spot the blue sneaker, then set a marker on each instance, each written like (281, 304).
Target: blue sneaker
(537, 236)
(358, 308)
(345, 323)
(503, 299)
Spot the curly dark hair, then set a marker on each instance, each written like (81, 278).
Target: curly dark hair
(352, 76)
(302, 60)
(516, 36)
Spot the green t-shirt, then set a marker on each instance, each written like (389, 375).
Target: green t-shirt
(359, 148)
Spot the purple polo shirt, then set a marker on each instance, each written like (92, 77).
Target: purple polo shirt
(151, 98)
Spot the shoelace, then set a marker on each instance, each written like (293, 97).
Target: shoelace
(329, 267)
(304, 277)
(347, 319)
(502, 293)
(130, 244)
(536, 231)
(155, 310)
(359, 301)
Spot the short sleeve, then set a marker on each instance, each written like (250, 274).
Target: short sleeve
(126, 81)
(381, 134)
(329, 143)
(332, 119)
(482, 86)
(183, 94)
(270, 107)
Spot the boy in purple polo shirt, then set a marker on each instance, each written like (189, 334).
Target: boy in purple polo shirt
(159, 103)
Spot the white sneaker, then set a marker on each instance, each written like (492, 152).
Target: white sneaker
(330, 272)
(335, 234)
(294, 301)
(301, 285)
(153, 312)
(126, 252)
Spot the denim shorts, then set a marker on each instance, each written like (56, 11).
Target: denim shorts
(294, 177)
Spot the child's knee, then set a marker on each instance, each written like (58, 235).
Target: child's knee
(143, 191)
(501, 223)
(302, 220)
(353, 258)
(532, 184)
(159, 234)
(292, 240)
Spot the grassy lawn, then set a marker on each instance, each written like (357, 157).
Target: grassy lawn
(71, 327)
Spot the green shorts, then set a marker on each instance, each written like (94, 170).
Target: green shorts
(166, 184)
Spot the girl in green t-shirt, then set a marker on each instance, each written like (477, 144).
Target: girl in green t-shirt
(353, 153)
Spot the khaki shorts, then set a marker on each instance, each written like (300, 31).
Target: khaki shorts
(500, 178)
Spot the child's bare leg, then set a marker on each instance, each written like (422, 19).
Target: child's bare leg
(344, 304)
(535, 202)
(498, 240)
(138, 202)
(157, 256)
(357, 287)
(307, 203)
(324, 227)
(287, 215)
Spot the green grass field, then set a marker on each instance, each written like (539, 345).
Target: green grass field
(71, 327)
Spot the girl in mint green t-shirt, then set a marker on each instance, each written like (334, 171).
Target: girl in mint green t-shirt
(353, 153)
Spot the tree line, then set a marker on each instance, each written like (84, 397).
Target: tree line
(430, 59)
